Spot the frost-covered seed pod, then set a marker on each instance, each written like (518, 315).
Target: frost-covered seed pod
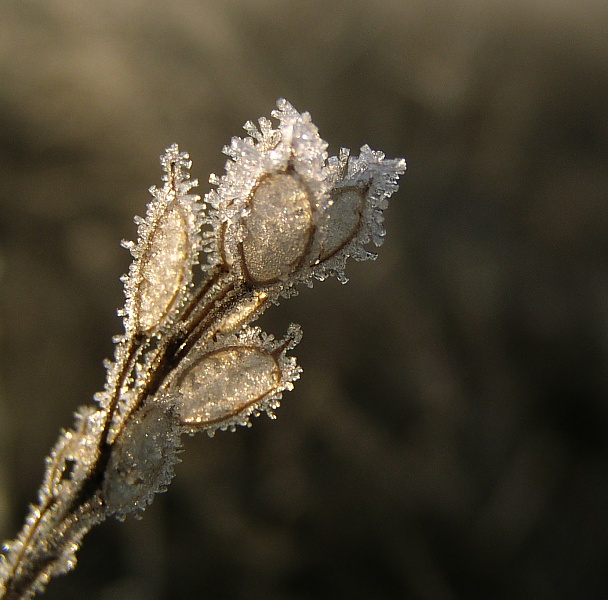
(341, 220)
(167, 248)
(164, 269)
(224, 383)
(142, 459)
(278, 228)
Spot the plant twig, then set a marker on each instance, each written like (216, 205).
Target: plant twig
(283, 214)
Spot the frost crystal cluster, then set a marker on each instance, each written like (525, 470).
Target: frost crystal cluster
(283, 213)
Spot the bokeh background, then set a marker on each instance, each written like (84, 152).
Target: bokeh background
(448, 438)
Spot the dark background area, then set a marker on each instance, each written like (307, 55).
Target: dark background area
(448, 437)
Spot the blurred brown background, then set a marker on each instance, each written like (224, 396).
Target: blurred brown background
(448, 438)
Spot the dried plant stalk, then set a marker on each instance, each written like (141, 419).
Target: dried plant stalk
(282, 214)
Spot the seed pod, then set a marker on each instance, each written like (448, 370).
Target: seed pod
(266, 206)
(169, 241)
(142, 459)
(225, 382)
(163, 269)
(359, 189)
(342, 220)
(278, 228)
(241, 375)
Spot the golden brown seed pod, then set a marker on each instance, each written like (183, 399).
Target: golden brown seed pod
(222, 385)
(277, 229)
(167, 248)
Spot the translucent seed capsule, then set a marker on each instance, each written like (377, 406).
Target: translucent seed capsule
(243, 312)
(167, 247)
(142, 459)
(278, 228)
(162, 270)
(342, 219)
(225, 382)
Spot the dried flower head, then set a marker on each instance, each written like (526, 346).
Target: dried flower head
(282, 214)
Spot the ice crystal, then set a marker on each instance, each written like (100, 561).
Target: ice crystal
(283, 213)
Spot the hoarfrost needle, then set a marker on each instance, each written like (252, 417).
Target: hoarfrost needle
(283, 213)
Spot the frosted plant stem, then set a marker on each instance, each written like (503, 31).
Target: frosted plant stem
(212, 304)
(283, 214)
(29, 572)
(38, 551)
